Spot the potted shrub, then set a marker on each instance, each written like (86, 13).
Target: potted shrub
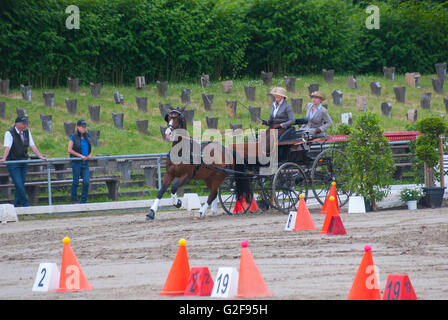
(411, 196)
(371, 159)
(427, 151)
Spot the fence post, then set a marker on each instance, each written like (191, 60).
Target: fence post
(159, 172)
(49, 182)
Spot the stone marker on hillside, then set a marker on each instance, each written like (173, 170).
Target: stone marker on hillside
(375, 88)
(185, 96)
(162, 88)
(412, 79)
(313, 88)
(231, 108)
(118, 98)
(189, 116)
(4, 87)
(296, 105)
(328, 75)
(142, 126)
(47, 122)
(386, 109)
(267, 78)
(290, 83)
(27, 92)
(412, 115)
(69, 128)
(250, 92)
(95, 89)
(140, 83)
(361, 103)
(400, 94)
(425, 100)
(95, 134)
(208, 101)
(94, 113)
(212, 123)
(205, 81)
(337, 97)
(352, 83)
(227, 86)
(72, 84)
(48, 99)
(255, 114)
(389, 73)
(142, 103)
(437, 85)
(118, 119)
(71, 105)
(441, 70)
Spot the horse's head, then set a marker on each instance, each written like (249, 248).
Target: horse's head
(175, 119)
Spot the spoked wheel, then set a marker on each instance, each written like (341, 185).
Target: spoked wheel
(289, 182)
(331, 165)
(262, 188)
(228, 200)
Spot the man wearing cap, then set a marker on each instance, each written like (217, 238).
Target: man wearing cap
(80, 146)
(17, 140)
(317, 115)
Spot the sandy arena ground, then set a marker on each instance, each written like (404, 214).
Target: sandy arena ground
(126, 257)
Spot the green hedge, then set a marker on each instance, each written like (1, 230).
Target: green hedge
(182, 39)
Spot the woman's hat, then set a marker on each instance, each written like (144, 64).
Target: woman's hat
(81, 123)
(318, 94)
(279, 91)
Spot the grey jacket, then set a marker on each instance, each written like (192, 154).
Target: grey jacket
(285, 114)
(321, 120)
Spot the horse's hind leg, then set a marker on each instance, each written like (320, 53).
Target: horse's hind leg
(167, 179)
(212, 199)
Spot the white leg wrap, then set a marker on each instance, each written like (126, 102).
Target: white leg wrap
(215, 206)
(203, 209)
(174, 198)
(155, 205)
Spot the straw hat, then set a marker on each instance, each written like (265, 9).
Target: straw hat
(279, 91)
(317, 94)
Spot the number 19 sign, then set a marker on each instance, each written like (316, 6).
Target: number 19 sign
(226, 283)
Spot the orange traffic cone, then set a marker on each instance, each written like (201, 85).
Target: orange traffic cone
(250, 282)
(303, 218)
(240, 205)
(365, 286)
(72, 277)
(180, 271)
(333, 193)
(331, 212)
(253, 205)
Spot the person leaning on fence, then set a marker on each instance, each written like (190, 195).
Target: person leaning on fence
(317, 116)
(80, 146)
(16, 143)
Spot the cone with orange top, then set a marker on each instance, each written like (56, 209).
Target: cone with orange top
(303, 218)
(250, 282)
(333, 193)
(72, 277)
(180, 271)
(332, 211)
(365, 285)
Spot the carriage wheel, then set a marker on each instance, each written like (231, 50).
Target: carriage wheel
(289, 182)
(262, 187)
(331, 165)
(227, 197)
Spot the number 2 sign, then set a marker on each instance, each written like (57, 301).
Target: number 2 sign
(226, 283)
(47, 278)
(200, 282)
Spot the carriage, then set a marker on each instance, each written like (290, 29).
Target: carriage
(304, 163)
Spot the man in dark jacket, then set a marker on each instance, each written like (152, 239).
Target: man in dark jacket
(16, 143)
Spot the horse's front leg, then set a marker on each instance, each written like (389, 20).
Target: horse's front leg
(167, 179)
(175, 186)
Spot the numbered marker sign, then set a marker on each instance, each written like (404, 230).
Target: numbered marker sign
(47, 278)
(226, 283)
(291, 222)
(200, 282)
(399, 287)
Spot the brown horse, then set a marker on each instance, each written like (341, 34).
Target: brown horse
(207, 171)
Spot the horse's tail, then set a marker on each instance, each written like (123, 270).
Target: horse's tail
(243, 184)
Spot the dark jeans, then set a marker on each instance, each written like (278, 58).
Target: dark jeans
(17, 171)
(80, 168)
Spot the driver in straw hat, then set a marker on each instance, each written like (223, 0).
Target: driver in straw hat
(282, 115)
(317, 115)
